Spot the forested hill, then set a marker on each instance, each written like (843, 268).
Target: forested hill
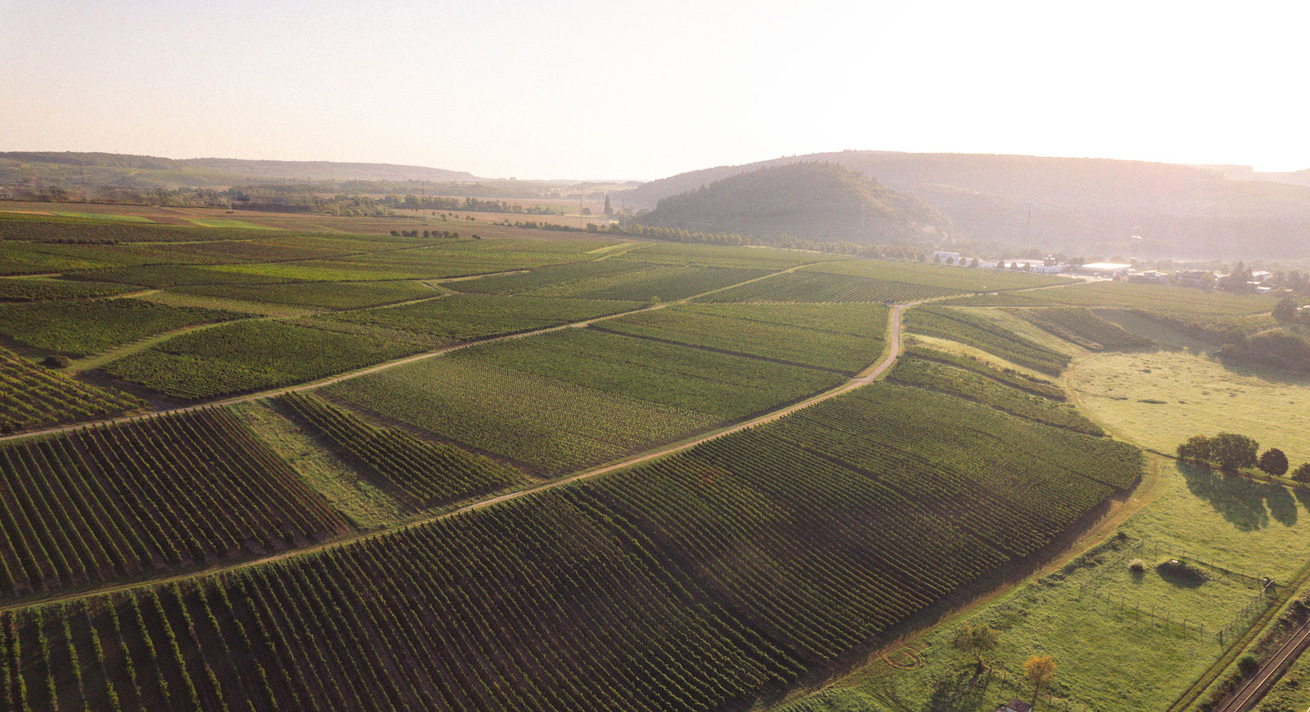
(1094, 206)
(127, 170)
(816, 201)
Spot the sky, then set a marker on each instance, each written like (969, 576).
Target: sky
(642, 89)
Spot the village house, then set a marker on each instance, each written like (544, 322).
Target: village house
(1015, 705)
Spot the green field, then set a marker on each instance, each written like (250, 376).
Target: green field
(987, 335)
(1162, 398)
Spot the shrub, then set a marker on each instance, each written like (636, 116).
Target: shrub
(1182, 572)
(1137, 566)
(1248, 665)
(56, 362)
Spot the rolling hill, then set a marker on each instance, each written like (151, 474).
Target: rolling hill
(1091, 206)
(816, 201)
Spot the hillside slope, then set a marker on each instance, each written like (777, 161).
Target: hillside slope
(817, 201)
(1093, 206)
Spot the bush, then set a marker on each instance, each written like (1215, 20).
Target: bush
(56, 362)
(1248, 665)
(1137, 566)
(1182, 572)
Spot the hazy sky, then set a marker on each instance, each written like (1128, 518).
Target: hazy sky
(637, 89)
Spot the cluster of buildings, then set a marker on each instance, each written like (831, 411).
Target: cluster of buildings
(1045, 265)
(1200, 279)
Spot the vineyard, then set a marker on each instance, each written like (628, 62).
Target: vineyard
(32, 397)
(543, 424)
(468, 317)
(326, 295)
(250, 356)
(748, 558)
(1006, 376)
(170, 492)
(426, 474)
(810, 286)
(36, 289)
(724, 386)
(841, 337)
(1044, 477)
(1161, 298)
(1082, 327)
(529, 282)
(986, 335)
(964, 279)
(988, 389)
(81, 328)
(662, 282)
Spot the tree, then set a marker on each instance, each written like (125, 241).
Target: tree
(1285, 310)
(1040, 670)
(976, 640)
(1302, 473)
(1196, 449)
(609, 209)
(974, 263)
(1000, 264)
(1273, 462)
(1232, 451)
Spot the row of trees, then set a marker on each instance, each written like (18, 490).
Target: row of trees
(1231, 451)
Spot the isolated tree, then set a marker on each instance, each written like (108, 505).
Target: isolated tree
(1197, 449)
(974, 263)
(1000, 264)
(609, 209)
(1273, 462)
(1284, 311)
(1302, 473)
(976, 640)
(1232, 451)
(937, 259)
(1040, 670)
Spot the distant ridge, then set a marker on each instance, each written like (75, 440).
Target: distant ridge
(816, 201)
(1089, 206)
(136, 170)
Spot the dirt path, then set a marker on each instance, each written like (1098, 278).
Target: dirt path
(349, 374)
(868, 376)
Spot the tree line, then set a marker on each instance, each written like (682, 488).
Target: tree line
(1233, 452)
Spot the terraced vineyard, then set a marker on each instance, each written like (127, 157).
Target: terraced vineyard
(166, 493)
(986, 335)
(1007, 376)
(426, 474)
(31, 397)
(1082, 327)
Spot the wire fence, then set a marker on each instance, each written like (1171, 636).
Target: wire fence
(1091, 590)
